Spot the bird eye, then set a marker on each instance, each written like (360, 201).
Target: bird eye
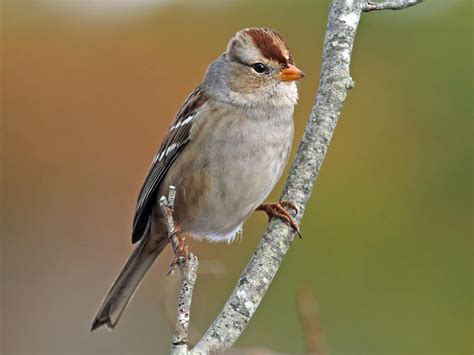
(259, 67)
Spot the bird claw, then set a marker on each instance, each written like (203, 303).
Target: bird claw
(279, 210)
(181, 255)
(289, 204)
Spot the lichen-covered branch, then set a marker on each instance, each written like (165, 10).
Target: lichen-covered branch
(188, 274)
(179, 344)
(389, 5)
(335, 82)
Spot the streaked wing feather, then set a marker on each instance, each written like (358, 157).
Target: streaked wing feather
(173, 144)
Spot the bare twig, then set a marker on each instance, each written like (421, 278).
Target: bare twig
(207, 268)
(308, 310)
(344, 16)
(188, 271)
(389, 5)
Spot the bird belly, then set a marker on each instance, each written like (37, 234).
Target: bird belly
(229, 177)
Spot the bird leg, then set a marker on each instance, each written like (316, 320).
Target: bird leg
(180, 248)
(175, 236)
(280, 210)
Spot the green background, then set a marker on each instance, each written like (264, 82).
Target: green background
(88, 90)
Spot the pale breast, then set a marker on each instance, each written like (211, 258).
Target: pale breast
(235, 162)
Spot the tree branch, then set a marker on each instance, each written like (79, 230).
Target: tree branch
(389, 5)
(188, 271)
(335, 82)
(334, 85)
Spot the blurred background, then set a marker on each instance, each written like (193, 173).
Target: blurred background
(88, 90)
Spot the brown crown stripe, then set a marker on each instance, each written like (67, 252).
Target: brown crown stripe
(267, 41)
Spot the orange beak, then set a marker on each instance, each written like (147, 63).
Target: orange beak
(291, 73)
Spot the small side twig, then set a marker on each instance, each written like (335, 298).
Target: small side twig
(188, 271)
(389, 5)
(308, 311)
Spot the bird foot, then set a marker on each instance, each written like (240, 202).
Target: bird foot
(181, 255)
(280, 210)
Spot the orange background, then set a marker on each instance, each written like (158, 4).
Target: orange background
(88, 90)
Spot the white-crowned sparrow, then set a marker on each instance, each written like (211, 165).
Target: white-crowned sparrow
(225, 151)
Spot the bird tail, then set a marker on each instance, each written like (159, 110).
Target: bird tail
(124, 287)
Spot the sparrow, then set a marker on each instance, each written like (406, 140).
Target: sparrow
(224, 152)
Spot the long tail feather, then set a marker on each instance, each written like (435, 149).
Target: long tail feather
(127, 282)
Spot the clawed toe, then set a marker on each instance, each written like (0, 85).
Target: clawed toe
(279, 210)
(289, 204)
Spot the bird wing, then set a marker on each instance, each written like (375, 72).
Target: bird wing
(174, 142)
